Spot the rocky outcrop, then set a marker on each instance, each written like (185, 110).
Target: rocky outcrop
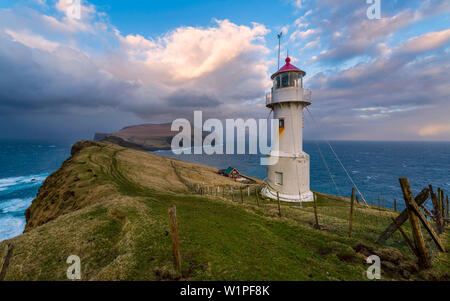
(98, 137)
(122, 142)
(81, 145)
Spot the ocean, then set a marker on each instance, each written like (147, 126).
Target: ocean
(374, 166)
(24, 166)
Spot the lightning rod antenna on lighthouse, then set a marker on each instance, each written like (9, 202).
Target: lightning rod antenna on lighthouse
(279, 48)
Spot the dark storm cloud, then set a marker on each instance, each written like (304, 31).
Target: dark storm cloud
(189, 99)
(45, 73)
(37, 80)
(394, 96)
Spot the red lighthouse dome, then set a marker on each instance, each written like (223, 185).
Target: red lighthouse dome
(288, 68)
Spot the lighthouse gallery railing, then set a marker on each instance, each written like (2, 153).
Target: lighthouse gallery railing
(306, 97)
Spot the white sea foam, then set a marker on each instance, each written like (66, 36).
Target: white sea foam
(12, 220)
(15, 205)
(22, 182)
(11, 226)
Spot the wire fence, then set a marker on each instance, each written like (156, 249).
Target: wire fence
(333, 213)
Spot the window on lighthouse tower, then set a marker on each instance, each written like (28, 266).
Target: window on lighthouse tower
(284, 80)
(293, 80)
(279, 178)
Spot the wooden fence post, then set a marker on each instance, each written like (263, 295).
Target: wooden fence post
(427, 212)
(316, 225)
(422, 252)
(395, 205)
(174, 234)
(279, 204)
(420, 199)
(232, 194)
(436, 209)
(442, 211)
(427, 226)
(248, 190)
(242, 195)
(405, 236)
(351, 212)
(257, 196)
(448, 216)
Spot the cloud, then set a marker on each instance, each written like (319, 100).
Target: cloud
(389, 97)
(348, 31)
(32, 41)
(302, 34)
(298, 3)
(220, 68)
(188, 99)
(435, 130)
(385, 112)
(312, 44)
(41, 2)
(426, 42)
(190, 52)
(65, 5)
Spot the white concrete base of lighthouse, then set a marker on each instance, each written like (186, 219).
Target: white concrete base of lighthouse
(303, 198)
(289, 177)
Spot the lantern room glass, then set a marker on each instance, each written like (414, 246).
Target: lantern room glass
(288, 80)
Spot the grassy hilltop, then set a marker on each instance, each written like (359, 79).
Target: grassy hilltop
(109, 205)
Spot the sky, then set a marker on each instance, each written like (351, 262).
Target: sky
(63, 78)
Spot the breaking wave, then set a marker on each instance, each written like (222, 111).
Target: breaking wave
(17, 183)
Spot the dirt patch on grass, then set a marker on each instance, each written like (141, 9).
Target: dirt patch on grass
(346, 257)
(394, 263)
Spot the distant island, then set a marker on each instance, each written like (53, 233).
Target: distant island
(150, 137)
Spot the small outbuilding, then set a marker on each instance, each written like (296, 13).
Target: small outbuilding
(230, 172)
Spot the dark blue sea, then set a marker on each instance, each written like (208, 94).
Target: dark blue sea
(374, 166)
(23, 168)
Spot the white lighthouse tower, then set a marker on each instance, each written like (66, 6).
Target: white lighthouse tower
(289, 178)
